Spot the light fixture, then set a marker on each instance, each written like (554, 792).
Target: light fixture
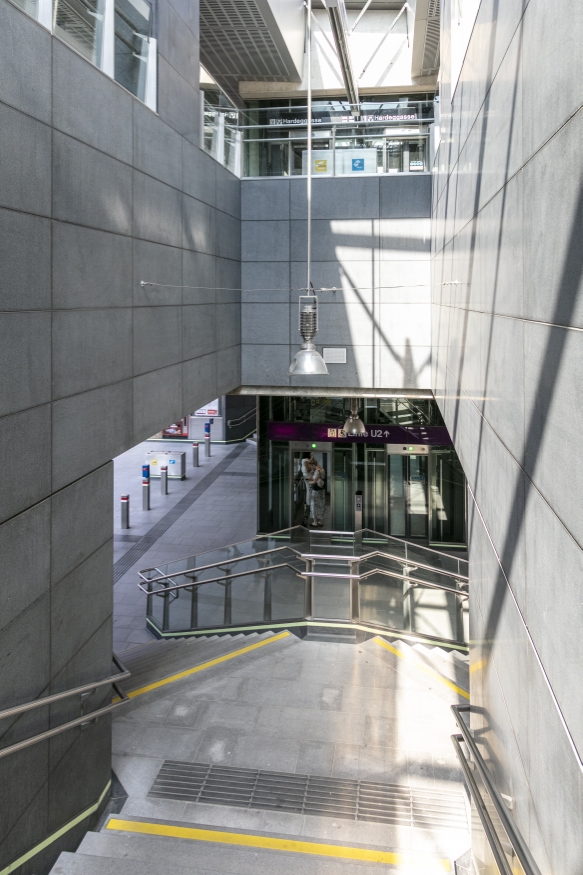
(354, 424)
(308, 360)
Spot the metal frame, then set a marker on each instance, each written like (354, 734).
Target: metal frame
(82, 721)
(518, 844)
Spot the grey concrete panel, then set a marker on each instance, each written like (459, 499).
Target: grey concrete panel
(157, 211)
(552, 363)
(157, 401)
(29, 90)
(23, 489)
(156, 337)
(90, 268)
(90, 188)
(404, 238)
(228, 328)
(228, 279)
(336, 197)
(80, 605)
(265, 199)
(90, 106)
(228, 369)
(200, 333)
(398, 323)
(26, 355)
(228, 192)
(24, 800)
(199, 225)
(504, 379)
(264, 281)
(405, 197)
(199, 380)
(178, 44)
(553, 276)
(25, 550)
(265, 365)
(89, 430)
(339, 239)
(199, 172)
(355, 280)
(157, 147)
(198, 273)
(25, 255)
(266, 323)
(162, 265)
(25, 175)
(91, 348)
(81, 520)
(227, 236)
(405, 366)
(24, 659)
(178, 102)
(188, 11)
(265, 241)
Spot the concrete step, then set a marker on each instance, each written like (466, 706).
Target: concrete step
(342, 636)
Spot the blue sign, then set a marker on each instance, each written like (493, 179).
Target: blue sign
(357, 164)
(172, 461)
(207, 429)
(145, 472)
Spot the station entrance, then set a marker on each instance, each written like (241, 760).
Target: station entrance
(404, 468)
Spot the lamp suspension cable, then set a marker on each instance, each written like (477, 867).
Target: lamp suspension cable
(309, 150)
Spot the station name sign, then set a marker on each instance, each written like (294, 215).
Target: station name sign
(333, 118)
(430, 435)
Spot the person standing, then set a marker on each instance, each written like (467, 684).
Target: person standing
(317, 492)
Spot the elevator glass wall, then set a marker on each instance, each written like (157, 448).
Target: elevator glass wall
(412, 482)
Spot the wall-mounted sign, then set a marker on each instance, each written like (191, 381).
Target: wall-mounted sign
(211, 409)
(426, 435)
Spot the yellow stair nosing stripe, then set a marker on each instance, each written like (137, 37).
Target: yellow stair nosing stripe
(425, 668)
(190, 671)
(273, 843)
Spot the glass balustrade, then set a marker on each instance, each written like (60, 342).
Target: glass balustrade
(301, 575)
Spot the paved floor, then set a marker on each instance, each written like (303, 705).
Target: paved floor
(350, 711)
(215, 505)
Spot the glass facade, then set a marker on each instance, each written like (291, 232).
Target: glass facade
(411, 488)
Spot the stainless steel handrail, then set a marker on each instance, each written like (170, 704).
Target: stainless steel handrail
(241, 419)
(57, 697)
(373, 553)
(411, 580)
(84, 720)
(493, 840)
(520, 848)
(200, 568)
(225, 579)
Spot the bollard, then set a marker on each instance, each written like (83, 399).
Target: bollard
(145, 495)
(164, 479)
(195, 463)
(125, 511)
(207, 439)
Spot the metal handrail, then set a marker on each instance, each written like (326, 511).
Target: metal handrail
(225, 579)
(520, 848)
(56, 697)
(84, 720)
(400, 559)
(488, 826)
(200, 568)
(413, 580)
(241, 419)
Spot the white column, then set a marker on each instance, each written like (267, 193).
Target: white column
(45, 13)
(151, 93)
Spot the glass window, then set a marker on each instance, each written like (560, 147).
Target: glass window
(80, 24)
(416, 155)
(132, 37)
(29, 6)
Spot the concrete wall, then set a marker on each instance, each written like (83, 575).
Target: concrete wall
(97, 193)
(371, 239)
(508, 349)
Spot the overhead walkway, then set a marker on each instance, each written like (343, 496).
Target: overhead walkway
(356, 582)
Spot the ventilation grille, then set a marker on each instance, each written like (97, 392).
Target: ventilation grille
(310, 794)
(236, 45)
(432, 37)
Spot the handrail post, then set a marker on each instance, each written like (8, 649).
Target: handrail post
(309, 591)
(355, 592)
(408, 588)
(267, 598)
(194, 605)
(227, 613)
(166, 611)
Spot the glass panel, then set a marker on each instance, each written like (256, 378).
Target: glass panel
(342, 490)
(394, 157)
(287, 595)
(80, 24)
(448, 498)
(418, 496)
(264, 158)
(331, 599)
(248, 599)
(374, 494)
(397, 495)
(132, 32)
(381, 600)
(29, 6)
(435, 612)
(417, 155)
(211, 606)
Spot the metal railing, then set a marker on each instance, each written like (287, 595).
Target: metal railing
(84, 691)
(492, 807)
(241, 420)
(327, 576)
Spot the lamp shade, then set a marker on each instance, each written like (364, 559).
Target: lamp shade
(307, 361)
(354, 424)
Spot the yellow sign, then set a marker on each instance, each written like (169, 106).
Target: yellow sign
(321, 165)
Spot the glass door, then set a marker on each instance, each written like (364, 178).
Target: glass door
(448, 498)
(408, 508)
(375, 516)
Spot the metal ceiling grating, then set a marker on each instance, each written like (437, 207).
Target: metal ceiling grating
(236, 45)
(310, 794)
(432, 39)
